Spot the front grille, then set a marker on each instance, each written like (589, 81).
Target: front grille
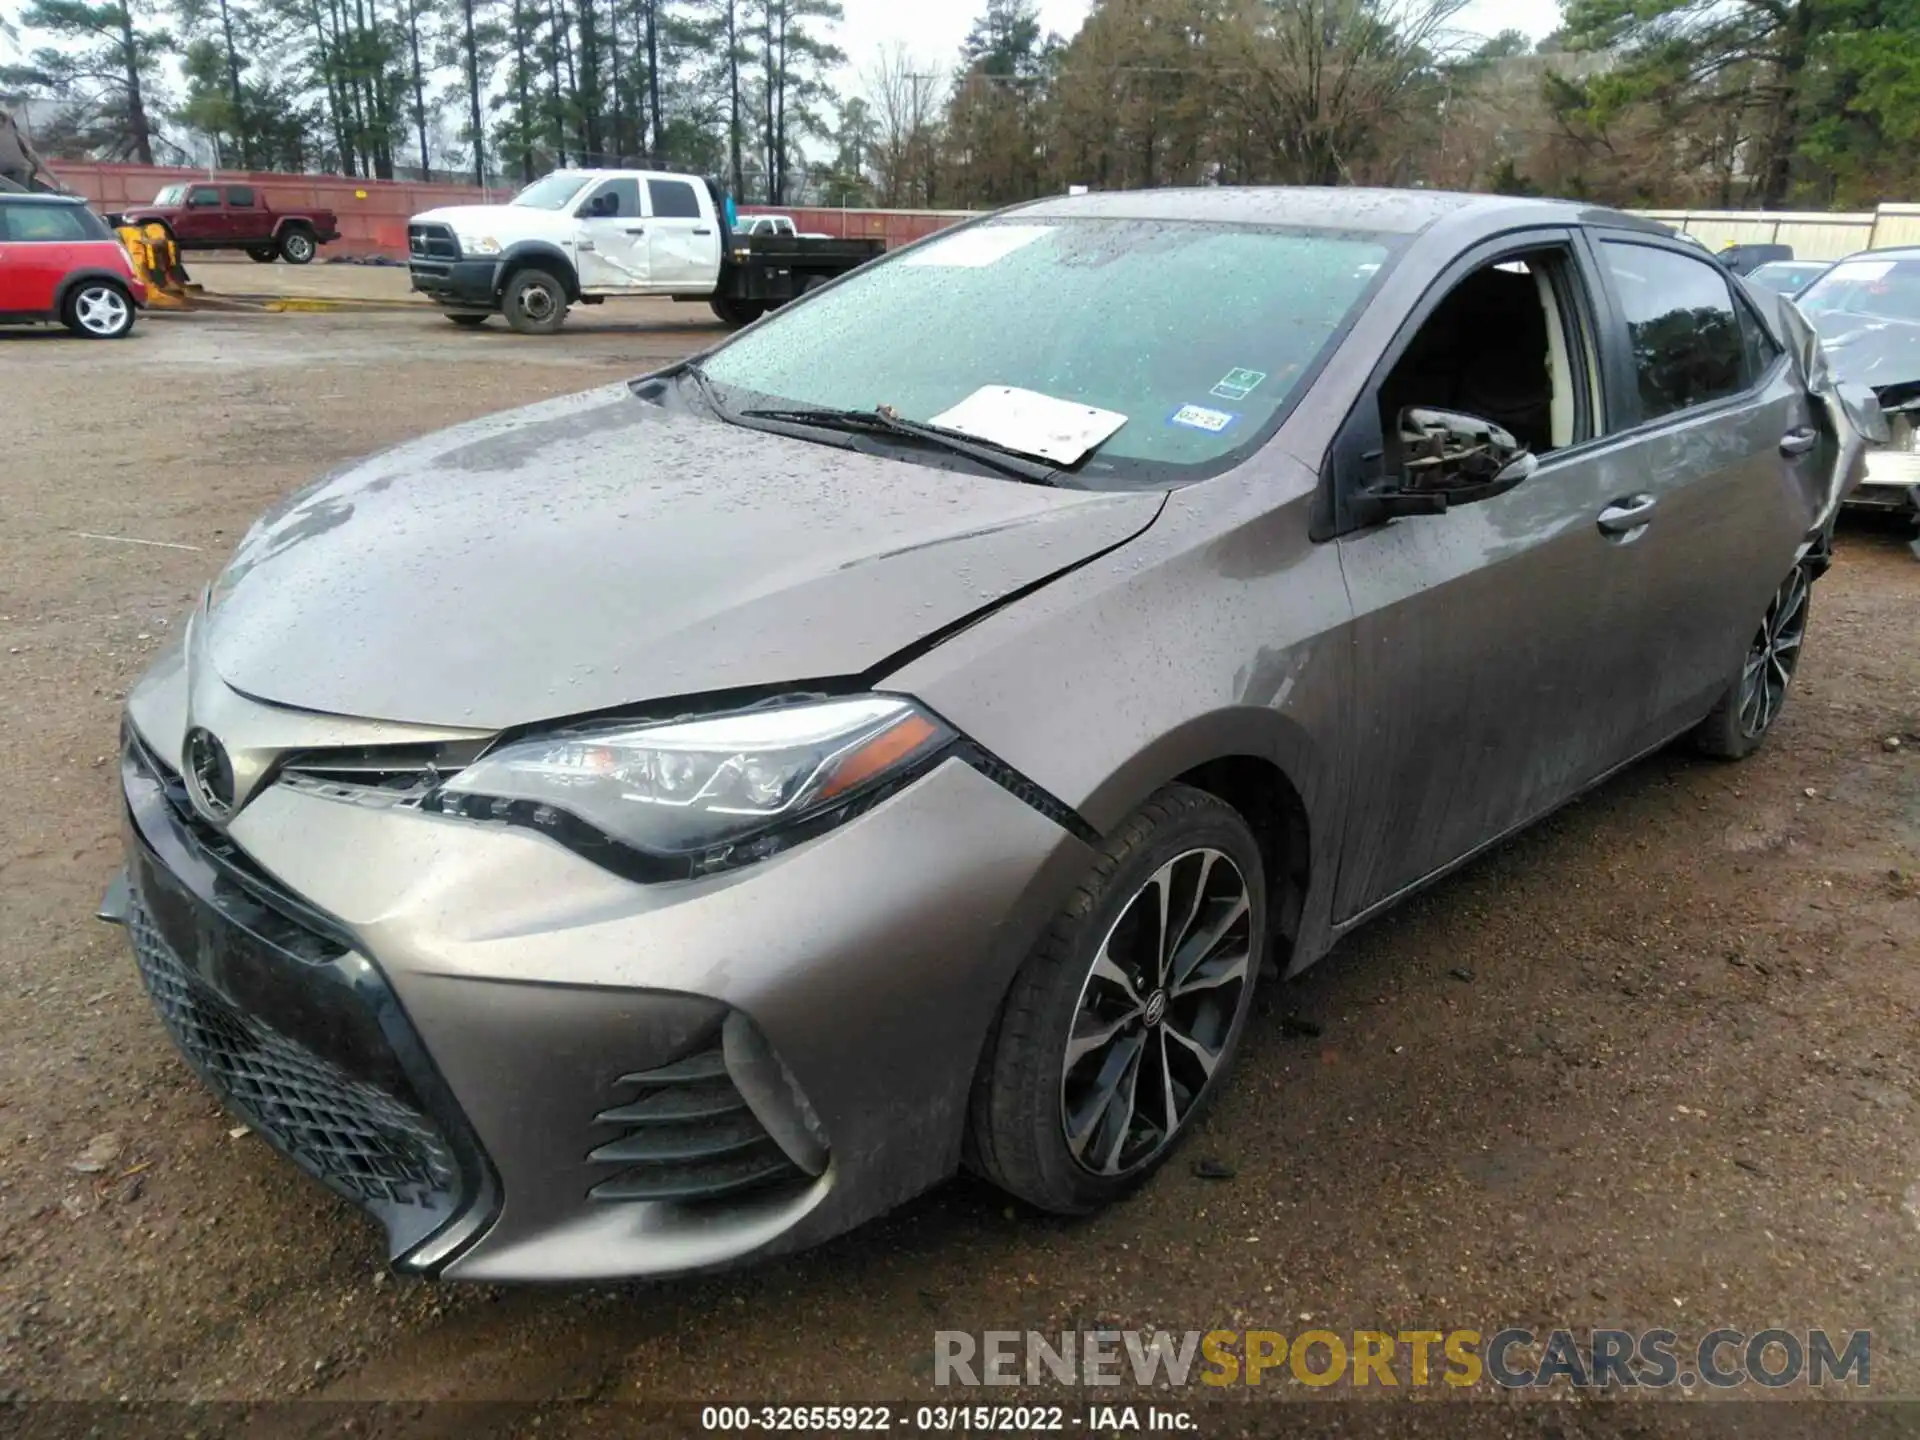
(301, 1036)
(690, 1136)
(432, 242)
(354, 1138)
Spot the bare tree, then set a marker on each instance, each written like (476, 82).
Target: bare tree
(1319, 81)
(906, 97)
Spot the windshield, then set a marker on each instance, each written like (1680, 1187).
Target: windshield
(1888, 289)
(1199, 334)
(170, 195)
(551, 193)
(1784, 277)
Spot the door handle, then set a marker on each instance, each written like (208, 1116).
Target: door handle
(1623, 517)
(703, 230)
(1800, 441)
(632, 231)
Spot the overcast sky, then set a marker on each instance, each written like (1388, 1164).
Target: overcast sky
(933, 29)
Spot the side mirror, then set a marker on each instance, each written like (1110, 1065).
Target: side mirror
(1447, 459)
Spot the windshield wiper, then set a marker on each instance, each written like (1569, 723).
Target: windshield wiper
(887, 421)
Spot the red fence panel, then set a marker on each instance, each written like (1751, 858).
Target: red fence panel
(374, 213)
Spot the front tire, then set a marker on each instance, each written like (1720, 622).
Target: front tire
(534, 302)
(297, 245)
(1738, 725)
(1122, 1021)
(263, 254)
(98, 310)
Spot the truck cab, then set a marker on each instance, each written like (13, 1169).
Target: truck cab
(585, 236)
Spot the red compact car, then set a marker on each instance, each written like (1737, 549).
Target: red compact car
(60, 262)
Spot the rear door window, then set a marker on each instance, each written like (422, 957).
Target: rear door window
(1688, 344)
(240, 195)
(673, 200)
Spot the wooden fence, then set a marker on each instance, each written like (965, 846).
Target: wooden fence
(1814, 235)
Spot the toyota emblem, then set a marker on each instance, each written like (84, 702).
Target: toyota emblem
(209, 776)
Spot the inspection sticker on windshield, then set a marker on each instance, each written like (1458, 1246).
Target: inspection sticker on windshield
(1033, 424)
(977, 246)
(1237, 384)
(1199, 417)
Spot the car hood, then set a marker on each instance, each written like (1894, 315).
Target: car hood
(1870, 350)
(599, 551)
(468, 219)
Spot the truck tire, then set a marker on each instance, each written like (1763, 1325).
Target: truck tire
(297, 245)
(734, 313)
(534, 302)
(467, 321)
(263, 254)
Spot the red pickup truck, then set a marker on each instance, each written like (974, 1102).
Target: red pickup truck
(236, 217)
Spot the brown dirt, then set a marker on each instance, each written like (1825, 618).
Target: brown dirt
(1678, 1085)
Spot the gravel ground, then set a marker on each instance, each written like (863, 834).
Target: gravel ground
(1652, 1064)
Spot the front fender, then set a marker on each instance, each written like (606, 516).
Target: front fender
(547, 256)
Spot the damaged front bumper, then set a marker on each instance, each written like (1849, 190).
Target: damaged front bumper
(527, 1068)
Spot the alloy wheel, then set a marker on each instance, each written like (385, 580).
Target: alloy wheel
(101, 310)
(1774, 655)
(1157, 1012)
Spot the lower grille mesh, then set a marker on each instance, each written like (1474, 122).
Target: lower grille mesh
(358, 1140)
(690, 1136)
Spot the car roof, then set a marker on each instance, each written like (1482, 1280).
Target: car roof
(1890, 252)
(38, 198)
(1401, 212)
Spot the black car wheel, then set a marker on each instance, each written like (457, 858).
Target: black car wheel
(470, 322)
(1121, 1023)
(297, 245)
(1738, 725)
(263, 254)
(98, 310)
(535, 302)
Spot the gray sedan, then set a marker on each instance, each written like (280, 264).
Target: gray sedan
(673, 824)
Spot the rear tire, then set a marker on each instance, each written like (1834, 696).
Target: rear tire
(534, 302)
(470, 322)
(263, 254)
(1738, 725)
(1116, 1006)
(297, 245)
(98, 310)
(734, 313)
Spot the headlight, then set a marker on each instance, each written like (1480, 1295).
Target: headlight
(479, 245)
(692, 796)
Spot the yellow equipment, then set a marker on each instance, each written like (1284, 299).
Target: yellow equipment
(156, 260)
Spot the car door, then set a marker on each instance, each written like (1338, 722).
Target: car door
(682, 236)
(1720, 443)
(202, 220)
(1491, 643)
(243, 220)
(610, 239)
